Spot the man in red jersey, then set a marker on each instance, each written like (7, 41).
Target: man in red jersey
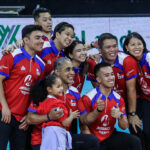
(104, 107)
(64, 69)
(18, 71)
(125, 71)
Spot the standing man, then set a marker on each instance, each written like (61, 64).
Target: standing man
(104, 106)
(42, 17)
(125, 71)
(18, 71)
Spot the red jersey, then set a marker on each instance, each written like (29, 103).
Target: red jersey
(103, 126)
(78, 79)
(144, 76)
(36, 134)
(46, 106)
(72, 100)
(125, 68)
(50, 54)
(21, 72)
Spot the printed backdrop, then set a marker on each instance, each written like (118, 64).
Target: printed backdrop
(87, 29)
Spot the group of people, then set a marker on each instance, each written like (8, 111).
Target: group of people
(41, 82)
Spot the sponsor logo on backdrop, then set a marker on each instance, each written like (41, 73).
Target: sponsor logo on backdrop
(8, 35)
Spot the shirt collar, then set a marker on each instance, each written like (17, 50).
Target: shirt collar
(50, 96)
(116, 63)
(45, 38)
(111, 95)
(76, 70)
(55, 50)
(143, 59)
(27, 54)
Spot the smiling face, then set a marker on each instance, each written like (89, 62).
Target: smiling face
(45, 21)
(79, 53)
(106, 77)
(135, 47)
(66, 73)
(34, 41)
(56, 89)
(65, 38)
(109, 50)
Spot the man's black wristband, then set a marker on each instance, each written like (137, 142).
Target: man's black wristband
(131, 113)
(98, 110)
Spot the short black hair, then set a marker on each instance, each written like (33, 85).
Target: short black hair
(28, 29)
(61, 27)
(99, 66)
(105, 36)
(37, 11)
(137, 36)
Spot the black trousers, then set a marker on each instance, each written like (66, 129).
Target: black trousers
(143, 111)
(35, 147)
(121, 141)
(10, 132)
(84, 142)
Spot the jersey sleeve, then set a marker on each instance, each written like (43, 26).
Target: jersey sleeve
(65, 116)
(87, 103)
(81, 107)
(43, 74)
(122, 106)
(90, 72)
(130, 68)
(32, 107)
(6, 64)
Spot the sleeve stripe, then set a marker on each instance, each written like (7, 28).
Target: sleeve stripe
(83, 112)
(32, 110)
(4, 74)
(131, 77)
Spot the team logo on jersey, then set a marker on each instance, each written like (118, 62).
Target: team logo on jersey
(73, 103)
(3, 67)
(25, 90)
(38, 71)
(49, 62)
(144, 86)
(147, 75)
(120, 75)
(131, 71)
(28, 80)
(105, 121)
(23, 68)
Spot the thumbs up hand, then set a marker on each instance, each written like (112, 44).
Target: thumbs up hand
(115, 112)
(100, 104)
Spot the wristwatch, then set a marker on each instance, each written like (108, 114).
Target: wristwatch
(131, 113)
(121, 116)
